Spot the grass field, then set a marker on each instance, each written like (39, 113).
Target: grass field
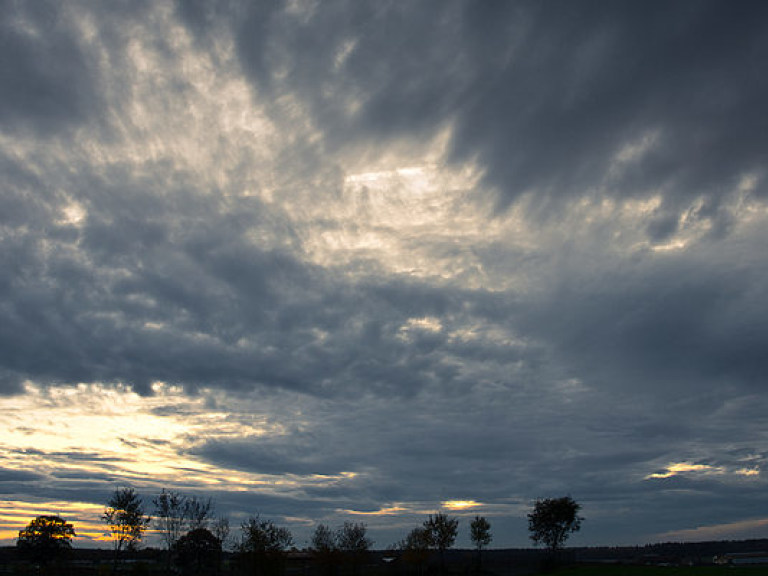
(619, 570)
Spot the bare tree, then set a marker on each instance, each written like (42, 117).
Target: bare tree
(220, 529)
(198, 512)
(170, 516)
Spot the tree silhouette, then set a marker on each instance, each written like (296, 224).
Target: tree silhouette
(480, 533)
(170, 516)
(220, 529)
(263, 546)
(442, 532)
(552, 520)
(324, 549)
(416, 547)
(198, 552)
(198, 512)
(125, 517)
(352, 540)
(45, 538)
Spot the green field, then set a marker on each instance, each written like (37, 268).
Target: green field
(617, 570)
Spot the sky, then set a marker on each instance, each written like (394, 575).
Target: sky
(365, 261)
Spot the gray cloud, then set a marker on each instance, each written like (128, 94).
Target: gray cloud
(179, 205)
(545, 96)
(47, 82)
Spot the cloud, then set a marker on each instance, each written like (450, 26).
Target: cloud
(50, 84)
(322, 260)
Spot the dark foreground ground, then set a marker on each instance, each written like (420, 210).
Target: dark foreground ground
(726, 558)
(632, 570)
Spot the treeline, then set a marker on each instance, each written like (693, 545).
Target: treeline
(195, 541)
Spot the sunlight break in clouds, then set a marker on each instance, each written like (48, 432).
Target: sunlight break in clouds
(318, 260)
(682, 467)
(461, 504)
(129, 435)
(742, 530)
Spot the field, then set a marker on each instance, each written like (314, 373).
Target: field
(619, 570)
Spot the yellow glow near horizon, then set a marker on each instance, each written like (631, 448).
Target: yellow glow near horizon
(681, 467)
(92, 430)
(744, 529)
(389, 511)
(460, 504)
(84, 516)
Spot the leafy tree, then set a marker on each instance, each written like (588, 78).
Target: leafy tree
(416, 547)
(324, 548)
(442, 532)
(352, 537)
(352, 540)
(125, 517)
(198, 552)
(263, 545)
(45, 538)
(480, 533)
(552, 520)
(323, 539)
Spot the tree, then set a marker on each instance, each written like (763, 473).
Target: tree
(198, 512)
(552, 520)
(45, 538)
(170, 516)
(352, 537)
(352, 540)
(416, 547)
(263, 545)
(442, 533)
(220, 529)
(125, 516)
(198, 552)
(480, 533)
(324, 548)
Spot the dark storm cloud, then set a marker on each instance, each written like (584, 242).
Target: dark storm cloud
(545, 96)
(655, 323)
(165, 285)
(294, 455)
(45, 79)
(581, 356)
(17, 476)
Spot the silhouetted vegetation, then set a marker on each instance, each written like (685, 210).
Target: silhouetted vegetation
(266, 549)
(45, 539)
(177, 514)
(125, 517)
(262, 548)
(442, 532)
(415, 548)
(198, 553)
(348, 544)
(480, 534)
(552, 521)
